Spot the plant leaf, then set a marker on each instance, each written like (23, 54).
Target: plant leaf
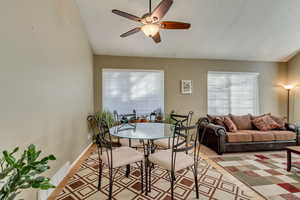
(13, 196)
(8, 158)
(14, 151)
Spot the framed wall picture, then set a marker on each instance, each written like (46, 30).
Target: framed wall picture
(186, 87)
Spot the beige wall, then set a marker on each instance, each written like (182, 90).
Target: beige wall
(272, 97)
(46, 72)
(294, 78)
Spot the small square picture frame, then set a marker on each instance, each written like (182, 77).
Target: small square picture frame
(186, 87)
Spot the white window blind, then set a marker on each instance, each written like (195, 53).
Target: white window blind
(232, 92)
(125, 90)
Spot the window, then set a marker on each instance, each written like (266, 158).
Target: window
(232, 92)
(125, 90)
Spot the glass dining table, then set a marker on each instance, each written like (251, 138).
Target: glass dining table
(147, 133)
(143, 131)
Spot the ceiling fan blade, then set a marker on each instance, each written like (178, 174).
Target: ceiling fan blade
(161, 10)
(157, 38)
(126, 15)
(174, 25)
(133, 31)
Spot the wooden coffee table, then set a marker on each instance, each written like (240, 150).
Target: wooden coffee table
(290, 150)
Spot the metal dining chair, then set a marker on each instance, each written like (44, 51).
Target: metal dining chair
(115, 158)
(185, 120)
(175, 159)
(126, 119)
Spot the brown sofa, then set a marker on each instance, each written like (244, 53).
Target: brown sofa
(217, 138)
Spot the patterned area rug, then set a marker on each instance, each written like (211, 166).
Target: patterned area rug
(212, 184)
(266, 173)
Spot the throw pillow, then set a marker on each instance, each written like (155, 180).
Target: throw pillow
(257, 116)
(281, 121)
(218, 120)
(230, 125)
(265, 123)
(242, 122)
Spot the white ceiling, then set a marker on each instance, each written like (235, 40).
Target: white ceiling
(263, 30)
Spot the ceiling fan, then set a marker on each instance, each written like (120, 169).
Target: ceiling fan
(151, 21)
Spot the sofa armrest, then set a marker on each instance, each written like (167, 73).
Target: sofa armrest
(291, 127)
(295, 128)
(213, 136)
(203, 121)
(218, 130)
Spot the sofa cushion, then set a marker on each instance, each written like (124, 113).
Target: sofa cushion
(258, 116)
(265, 123)
(284, 135)
(260, 136)
(230, 125)
(242, 122)
(281, 121)
(239, 137)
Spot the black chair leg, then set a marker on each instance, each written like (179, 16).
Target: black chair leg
(196, 184)
(100, 175)
(150, 169)
(110, 184)
(146, 176)
(172, 186)
(142, 177)
(127, 171)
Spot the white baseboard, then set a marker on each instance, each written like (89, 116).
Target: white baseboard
(82, 153)
(60, 175)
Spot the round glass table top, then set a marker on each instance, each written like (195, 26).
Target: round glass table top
(145, 131)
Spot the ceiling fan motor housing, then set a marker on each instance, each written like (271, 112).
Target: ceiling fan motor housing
(147, 19)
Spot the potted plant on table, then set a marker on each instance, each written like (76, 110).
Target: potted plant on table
(143, 118)
(21, 173)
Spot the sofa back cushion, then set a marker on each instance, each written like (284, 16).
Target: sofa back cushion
(258, 116)
(242, 122)
(265, 123)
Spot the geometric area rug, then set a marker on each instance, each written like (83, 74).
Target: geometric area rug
(212, 184)
(265, 173)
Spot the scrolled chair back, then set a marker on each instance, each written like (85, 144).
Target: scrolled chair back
(184, 119)
(103, 139)
(178, 146)
(125, 118)
(104, 142)
(179, 142)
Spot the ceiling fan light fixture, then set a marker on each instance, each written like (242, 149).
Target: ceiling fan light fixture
(150, 30)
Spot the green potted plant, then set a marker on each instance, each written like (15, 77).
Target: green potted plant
(21, 173)
(108, 117)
